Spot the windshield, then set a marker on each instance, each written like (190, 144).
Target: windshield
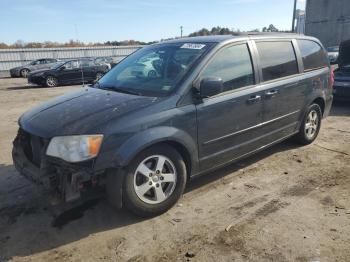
(154, 70)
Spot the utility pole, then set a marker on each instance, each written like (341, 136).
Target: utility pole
(294, 13)
(181, 29)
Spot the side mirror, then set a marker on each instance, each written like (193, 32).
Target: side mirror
(62, 68)
(211, 86)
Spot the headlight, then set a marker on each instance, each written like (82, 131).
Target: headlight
(75, 148)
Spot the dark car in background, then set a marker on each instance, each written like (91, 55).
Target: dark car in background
(341, 87)
(74, 71)
(107, 60)
(213, 100)
(23, 71)
(333, 53)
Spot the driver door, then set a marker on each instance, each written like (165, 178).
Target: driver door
(228, 123)
(71, 73)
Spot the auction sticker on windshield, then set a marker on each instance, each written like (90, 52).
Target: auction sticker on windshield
(192, 46)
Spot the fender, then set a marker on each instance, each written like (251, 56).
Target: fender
(140, 141)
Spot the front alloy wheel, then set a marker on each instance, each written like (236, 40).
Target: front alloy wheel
(155, 179)
(51, 81)
(153, 182)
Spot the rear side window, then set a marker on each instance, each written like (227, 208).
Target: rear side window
(313, 55)
(233, 65)
(277, 59)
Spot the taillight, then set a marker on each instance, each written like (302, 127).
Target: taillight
(331, 78)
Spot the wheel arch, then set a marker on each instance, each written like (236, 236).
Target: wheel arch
(24, 68)
(181, 149)
(321, 102)
(178, 139)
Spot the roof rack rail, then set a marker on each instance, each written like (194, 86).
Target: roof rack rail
(265, 33)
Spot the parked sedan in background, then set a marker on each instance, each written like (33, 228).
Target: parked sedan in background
(146, 67)
(22, 71)
(333, 52)
(106, 60)
(75, 71)
(341, 87)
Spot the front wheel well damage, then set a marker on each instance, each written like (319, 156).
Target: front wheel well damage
(115, 177)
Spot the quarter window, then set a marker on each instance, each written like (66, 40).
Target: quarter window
(277, 59)
(313, 55)
(233, 65)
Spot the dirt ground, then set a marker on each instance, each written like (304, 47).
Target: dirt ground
(288, 203)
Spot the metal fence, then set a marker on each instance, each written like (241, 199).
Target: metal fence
(10, 58)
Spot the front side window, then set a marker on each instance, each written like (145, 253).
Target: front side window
(154, 70)
(233, 65)
(313, 55)
(277, 59)
(72, 65)
(86, 63)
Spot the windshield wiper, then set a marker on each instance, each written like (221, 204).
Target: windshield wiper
(118, 89)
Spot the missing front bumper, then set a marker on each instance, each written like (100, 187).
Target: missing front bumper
(62, 181)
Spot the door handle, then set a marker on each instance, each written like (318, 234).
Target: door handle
(254, 99)
(271, 93)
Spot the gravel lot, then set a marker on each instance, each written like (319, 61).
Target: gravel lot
(288, 203)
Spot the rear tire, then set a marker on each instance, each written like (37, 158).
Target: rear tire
(310, 125)
(154, 181)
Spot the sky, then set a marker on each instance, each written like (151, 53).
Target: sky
(144, 20)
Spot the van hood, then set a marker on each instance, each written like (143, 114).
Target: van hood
(82, 112)
(344, 54)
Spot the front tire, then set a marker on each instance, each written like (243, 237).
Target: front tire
(310, 125)
(154, 181)
(51, 81)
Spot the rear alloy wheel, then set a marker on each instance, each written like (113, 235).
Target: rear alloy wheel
(154, 181)
(24, 72)
(310, 126)
(51, 81)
